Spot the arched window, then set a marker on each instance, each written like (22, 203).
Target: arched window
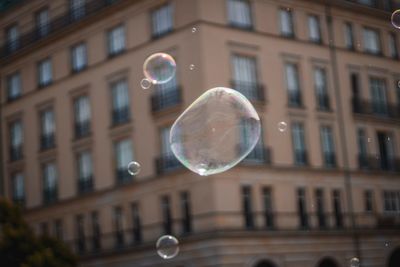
(327, 262)
(265, 263)
(394, 259)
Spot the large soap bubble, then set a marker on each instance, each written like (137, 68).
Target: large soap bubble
(215, 132)
(159, 68)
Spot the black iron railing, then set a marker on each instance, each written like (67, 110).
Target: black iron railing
(166, 98)
(323, 102)
(261, 222)
(121, 115)
(85, 184)
(374, 108)
(57, 24)
(300, 157)
(329, 159)
(252, 90)
(166, 163)
(47, 141)
(378, 163)
(82, 129)
(50, 195)
(123, 176)
(16, 153)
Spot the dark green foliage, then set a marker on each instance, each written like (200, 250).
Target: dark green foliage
(19, 247)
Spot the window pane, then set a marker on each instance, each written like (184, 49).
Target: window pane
(162, 20)
(239, 13)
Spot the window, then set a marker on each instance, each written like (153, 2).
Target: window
(286, 22)
(247, 207)
(77, 9)
(167, 161)
(78, 57)
(299, 146)
(165, 146)
(368, 2)
(116, 40)
(393, 46)
(362, 148)
(239, 14)
(124, 155)
(120, 102)
(50, 190)
(386, 151)
(267, 206)
(314, 29)
(348, 35)
(378, 96)
(391, 201)
(186, 212)
(167, 94)
(80, 233)
(45, 73)
(257, 155)
(85, 172)
(42, 23)
(82, 116)
(119, 226)
(18, 188)
(293, 85)
(166, 212)
(47, 135)
(58, 229)
(320, 207)
(162, 20)
(96, 232)
(245, 76)
(16, 139)
(12, 38)
(321, 89)
(14, 89)
(337, 208)
(368, 201)
(372, 42)
(302, 207)
(136, 223)
(328, 146)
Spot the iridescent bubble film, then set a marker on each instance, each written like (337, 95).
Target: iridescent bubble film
(282, 126)
(396, 19)
(145, 83)
(159, 68)
(354, 262)
(215, 132)
(167, 247)
(134, 168)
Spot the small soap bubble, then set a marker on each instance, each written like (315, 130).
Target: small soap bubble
(133, 168)
(194, 30)
(396, 18)
(159, 68)
(398, 83)
(145, 83)
(387, 244)
(354, 262)
(167, 247)
(192, 67)
(217, 131)
(282, 126)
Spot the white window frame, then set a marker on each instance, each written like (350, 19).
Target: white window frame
(314, 29)
(286, 22)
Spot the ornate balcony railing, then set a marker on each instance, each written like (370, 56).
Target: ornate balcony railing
(377, 163)
(373, 108)
(166, 163)
(252, 90)
(57, 24)
(262, 222)
(166, 98)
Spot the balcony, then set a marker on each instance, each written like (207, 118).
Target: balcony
(50, 195)
(166, 163)
(374, 163)
(16, 153)
(300, 157)
(166, 98)
(295, 99)
(82, 129)
(121, 115)
(85, 184)
(323, 102)
(123, 176)
(377, 109)
(228, 222)
(330, 160)
(47, 141)
(56, 25)
(252, 91)
(259, 155)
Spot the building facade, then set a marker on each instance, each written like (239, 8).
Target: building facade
(318, 189)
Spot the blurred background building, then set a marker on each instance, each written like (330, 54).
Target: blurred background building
(317, 193)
